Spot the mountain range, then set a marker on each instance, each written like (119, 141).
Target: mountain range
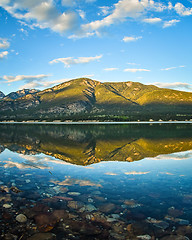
(86, 99)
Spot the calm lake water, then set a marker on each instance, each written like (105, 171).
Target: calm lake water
(126, 181)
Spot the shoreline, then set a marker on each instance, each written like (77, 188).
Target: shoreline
(95, 122)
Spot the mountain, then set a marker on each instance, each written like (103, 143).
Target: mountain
(86, 99)
(19, 94)
(2, 95)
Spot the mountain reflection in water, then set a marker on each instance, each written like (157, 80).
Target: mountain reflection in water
(96, 182)
(88, 144)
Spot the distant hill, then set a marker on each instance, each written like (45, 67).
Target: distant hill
(86, 99)
(19, 94)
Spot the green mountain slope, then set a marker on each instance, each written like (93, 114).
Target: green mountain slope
(84, 99)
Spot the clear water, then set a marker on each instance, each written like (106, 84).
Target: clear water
(96, 181)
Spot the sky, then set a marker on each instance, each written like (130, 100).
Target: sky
(46, 42)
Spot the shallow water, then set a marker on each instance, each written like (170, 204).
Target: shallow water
(96, 181)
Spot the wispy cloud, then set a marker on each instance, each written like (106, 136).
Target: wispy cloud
(74, 61)
(3, 54)
(136, 173)
(68, 3)
(110, 69)
(171, 68)
(88, 76)
(82, 14)
(43, 84)
(170, 23)
(175, 156)
(134, 70)
(81, 34)
(26, 78)
(152, 20)
(132, 63)
(90, 1)
(175, 85)
(104, 10)
(131, 39)
(4, 44)
(33, 81)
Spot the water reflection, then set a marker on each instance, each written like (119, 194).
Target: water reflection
(85, 182)
(87, 144)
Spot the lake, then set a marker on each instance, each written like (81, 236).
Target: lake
(96, 181)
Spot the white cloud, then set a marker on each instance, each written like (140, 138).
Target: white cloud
(26, 78)
(125, 10)
(104, 10)
(182, 10)
(134, 70)
(171, 68)
(132, 63)
(131, 39)
(3, 54)
(90, 1)
(74, 61)
(4, 43)
(110, 69)
(174, 156)
(175, 85)
(80, 34)
(82, 14)
(152, 20)
(122, 10)
(68, 3)
(46, 14)
(42, 14)
(170, 23)
(88, 76)
(156, 6)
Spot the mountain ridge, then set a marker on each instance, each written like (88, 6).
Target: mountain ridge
(17, 94)
(84, 99)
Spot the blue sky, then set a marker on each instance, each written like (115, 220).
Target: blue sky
(46, 42)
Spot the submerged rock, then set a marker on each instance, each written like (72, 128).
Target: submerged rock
(144, 237)
(108, 207)
(163, 225)
(43, 236)
(7, 205)
(15, 189)
(75, 204)
(10, 236)
(183, 222)
(74, 193)
(90, 208)
(85, 228)
(21, 218)
(174, 212)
